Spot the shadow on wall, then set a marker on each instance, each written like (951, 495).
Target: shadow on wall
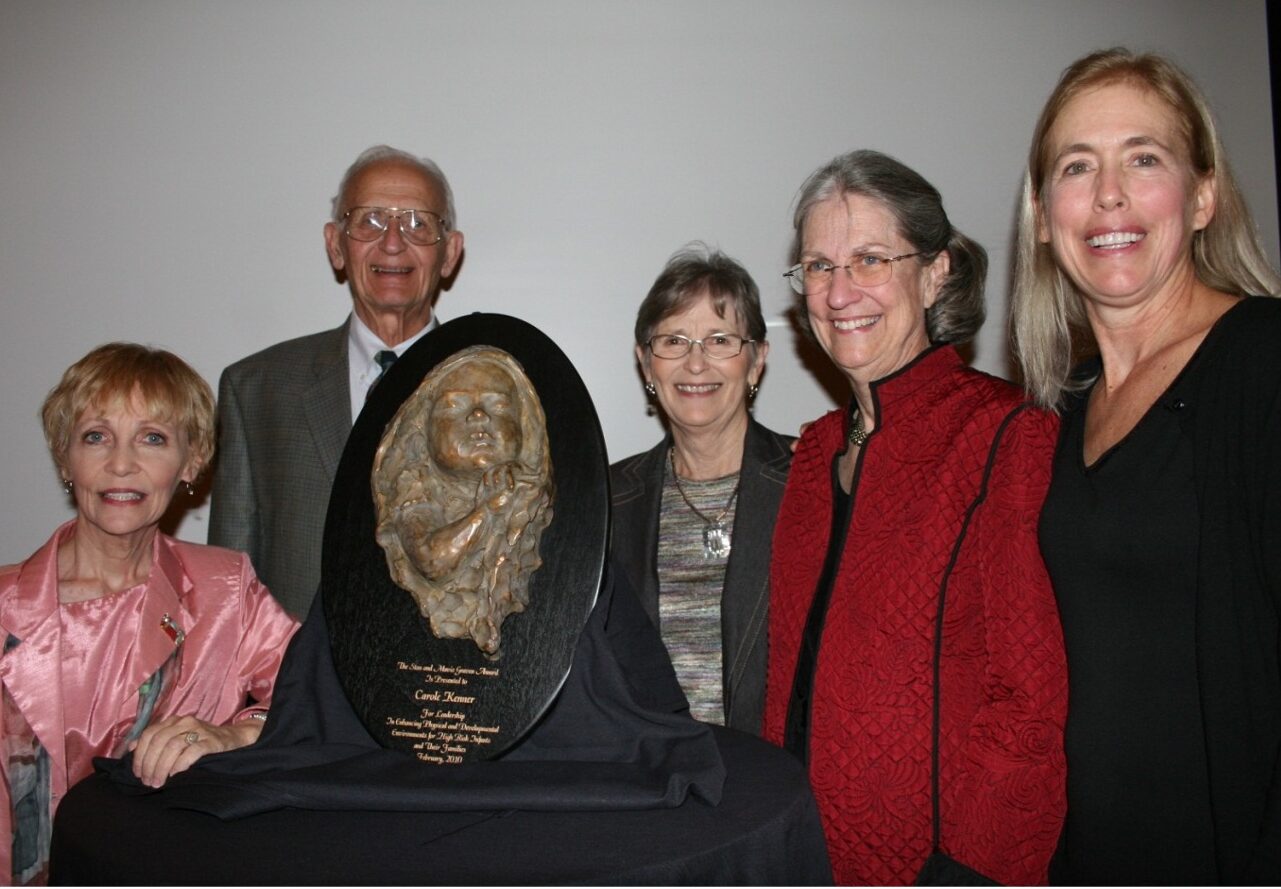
(815, 361)
(182, 503)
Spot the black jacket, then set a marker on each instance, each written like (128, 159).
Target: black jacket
(1234, 420)
(1231, 411)
(637, 489)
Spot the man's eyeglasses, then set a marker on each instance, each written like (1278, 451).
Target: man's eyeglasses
(865, 270)
(421, 227)
(716, 345)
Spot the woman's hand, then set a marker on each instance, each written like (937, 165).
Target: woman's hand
(174, 743)
(800, 434)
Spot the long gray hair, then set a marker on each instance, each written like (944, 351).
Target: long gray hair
(917, 207)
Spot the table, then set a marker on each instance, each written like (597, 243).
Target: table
(765, 831)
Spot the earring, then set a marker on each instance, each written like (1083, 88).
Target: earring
(189, 488)
(650, 390)
(752, 389)
(67, 485)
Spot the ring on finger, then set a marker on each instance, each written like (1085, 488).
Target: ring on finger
(191, 737)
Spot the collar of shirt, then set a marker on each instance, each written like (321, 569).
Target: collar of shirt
(362, 345)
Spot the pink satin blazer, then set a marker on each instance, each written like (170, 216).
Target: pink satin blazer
(203, 616)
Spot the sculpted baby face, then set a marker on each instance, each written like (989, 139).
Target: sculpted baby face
(475, 420)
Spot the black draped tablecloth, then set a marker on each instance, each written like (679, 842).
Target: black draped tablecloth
(613, 783)
(764, 831)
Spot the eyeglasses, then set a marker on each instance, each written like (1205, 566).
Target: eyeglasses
(716, 345)
(865, 270)
(421, 227)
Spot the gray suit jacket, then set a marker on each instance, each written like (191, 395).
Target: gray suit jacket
(637, 489)
(283, 418)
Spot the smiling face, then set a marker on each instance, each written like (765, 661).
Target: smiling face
(125, 466)
(475, 420)
(1122, 202)
(697, 392)
(393, 281)
(868, 332)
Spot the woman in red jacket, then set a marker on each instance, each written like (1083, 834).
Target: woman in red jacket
(909, 602)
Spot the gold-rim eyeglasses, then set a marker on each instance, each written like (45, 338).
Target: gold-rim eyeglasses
(421, 227)
(864, 269)
(715, 345)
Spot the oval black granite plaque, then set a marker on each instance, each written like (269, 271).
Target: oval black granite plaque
(444, 700)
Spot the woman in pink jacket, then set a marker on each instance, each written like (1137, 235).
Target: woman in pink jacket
(117, 637)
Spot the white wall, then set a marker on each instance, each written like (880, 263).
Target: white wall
(166, 166)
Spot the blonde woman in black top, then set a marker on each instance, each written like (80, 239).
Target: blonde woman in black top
(1162, 527)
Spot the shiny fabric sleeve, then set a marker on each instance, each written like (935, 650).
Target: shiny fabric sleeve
(266, 631)
(1003, 795)
(236, 640)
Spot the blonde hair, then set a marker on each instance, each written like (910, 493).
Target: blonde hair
(110, 375)
(1049, 330)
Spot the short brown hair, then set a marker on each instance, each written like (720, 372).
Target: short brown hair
(110, 374)
(692, 272)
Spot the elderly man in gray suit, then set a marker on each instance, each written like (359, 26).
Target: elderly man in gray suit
(284, 413)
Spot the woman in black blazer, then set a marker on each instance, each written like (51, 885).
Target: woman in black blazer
(693, 517)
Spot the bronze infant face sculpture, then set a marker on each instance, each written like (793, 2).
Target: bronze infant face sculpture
(475, 420)
(463, 487)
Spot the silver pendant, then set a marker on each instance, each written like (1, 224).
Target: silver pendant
(716, 541)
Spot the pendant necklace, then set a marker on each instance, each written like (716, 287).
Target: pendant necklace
(858, 435)
(716, 537)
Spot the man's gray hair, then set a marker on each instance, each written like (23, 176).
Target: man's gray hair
(380, 153)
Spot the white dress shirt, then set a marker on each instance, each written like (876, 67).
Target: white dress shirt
(362, 368)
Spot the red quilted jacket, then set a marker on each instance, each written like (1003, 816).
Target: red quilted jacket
(1003, 676)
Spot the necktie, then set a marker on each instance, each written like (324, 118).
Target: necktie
(386, 358)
